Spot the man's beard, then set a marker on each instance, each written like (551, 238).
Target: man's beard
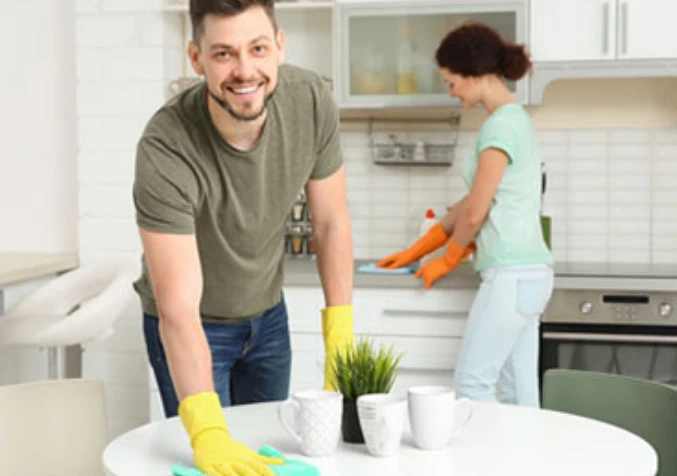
(229, 109)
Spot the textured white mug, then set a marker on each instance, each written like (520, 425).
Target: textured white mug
(433, 415)
(316, 420)
(381, 418)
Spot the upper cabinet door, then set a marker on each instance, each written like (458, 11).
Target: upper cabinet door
(574, 30)
(386, 50)
(307, 35)
(646, 29)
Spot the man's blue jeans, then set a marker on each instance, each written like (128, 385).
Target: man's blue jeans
(251, 359)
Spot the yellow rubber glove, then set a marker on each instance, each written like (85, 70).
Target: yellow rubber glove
(435, 269)
(214, 451)
(337, 330)
(435, 238)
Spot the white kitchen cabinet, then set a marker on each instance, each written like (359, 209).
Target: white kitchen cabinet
(584, 30)
(568, 30)
(384, 51)
(308, 40)
(426, 326)
(647, 29)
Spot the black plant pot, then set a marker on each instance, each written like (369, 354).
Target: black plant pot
(350, 424)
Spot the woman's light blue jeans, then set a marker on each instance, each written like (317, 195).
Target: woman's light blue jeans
(498, 360)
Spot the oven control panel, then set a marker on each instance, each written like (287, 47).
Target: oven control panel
(608, 307)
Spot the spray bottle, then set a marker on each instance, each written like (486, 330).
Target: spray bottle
(428, 222)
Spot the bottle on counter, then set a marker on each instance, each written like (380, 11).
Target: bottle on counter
(429, 220)
(406, 77)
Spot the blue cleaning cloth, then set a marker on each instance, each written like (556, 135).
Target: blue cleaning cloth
(291, 467)
(372, 269)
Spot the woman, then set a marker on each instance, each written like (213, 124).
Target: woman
(500, 216)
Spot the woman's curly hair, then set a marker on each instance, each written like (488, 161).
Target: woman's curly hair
(474, 49)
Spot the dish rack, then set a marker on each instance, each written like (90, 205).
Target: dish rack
(396, 152)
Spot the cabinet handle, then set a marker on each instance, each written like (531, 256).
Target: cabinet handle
(422, 313)
(609, 338)
(605, 28)
(624, 21)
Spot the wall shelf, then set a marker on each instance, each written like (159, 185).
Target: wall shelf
(393, 151)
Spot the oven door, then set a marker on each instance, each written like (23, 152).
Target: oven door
(647, 352)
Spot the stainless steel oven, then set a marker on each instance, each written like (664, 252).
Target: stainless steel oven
(627, 333)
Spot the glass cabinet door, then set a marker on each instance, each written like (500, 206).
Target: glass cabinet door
(386, 51)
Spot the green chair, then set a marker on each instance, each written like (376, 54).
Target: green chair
(645, 408)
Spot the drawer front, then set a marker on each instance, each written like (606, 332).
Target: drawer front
(307, 368)
(421, 353)
(407, 379)
(303, 306)
(412, 312)
(406, 312)
(423, 358)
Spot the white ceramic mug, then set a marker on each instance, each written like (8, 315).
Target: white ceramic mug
(316, 420)
(381, 418)
(436, 416)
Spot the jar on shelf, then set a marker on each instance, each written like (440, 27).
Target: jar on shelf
(311, 243)
(297, 238)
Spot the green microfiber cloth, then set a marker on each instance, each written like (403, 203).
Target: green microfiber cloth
(290, 467)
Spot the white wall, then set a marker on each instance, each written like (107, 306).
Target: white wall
(125, 58)
(38, 153)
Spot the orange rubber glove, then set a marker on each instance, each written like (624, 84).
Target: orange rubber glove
(435, 238)
(215, 452)
(435, 269)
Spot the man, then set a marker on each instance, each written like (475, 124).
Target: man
(218, 170)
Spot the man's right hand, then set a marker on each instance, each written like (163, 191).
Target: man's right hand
(434, 239)
(215, 452)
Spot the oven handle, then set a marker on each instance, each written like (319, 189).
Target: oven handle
(581, 336)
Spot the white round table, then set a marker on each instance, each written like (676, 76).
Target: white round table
(503, 440)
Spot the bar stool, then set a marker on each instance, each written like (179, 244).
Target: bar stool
(74, 308)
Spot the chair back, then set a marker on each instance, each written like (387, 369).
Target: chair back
(52, 428)
(643, 407)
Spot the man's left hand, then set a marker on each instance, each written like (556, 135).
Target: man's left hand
(337, 330)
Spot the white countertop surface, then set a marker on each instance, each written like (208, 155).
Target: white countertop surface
(568, 275)
(501, 440)
(16, 267)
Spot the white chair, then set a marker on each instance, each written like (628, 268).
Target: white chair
(57, 427)
(74, 308)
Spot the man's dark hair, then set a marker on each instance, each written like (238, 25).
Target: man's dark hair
(199, 9)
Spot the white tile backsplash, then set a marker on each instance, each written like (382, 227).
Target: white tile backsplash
(666, 152)
(106, 31)
(665, 136)
(119, 63)
(629, 137)
(607, 190)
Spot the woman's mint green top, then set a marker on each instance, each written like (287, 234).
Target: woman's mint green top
(511, 234)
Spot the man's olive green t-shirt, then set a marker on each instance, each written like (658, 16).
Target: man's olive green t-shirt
(189, 180)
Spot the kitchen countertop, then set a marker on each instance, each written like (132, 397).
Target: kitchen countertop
(568, 275)
(16, 267)
(617, 270)
(303, 272)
